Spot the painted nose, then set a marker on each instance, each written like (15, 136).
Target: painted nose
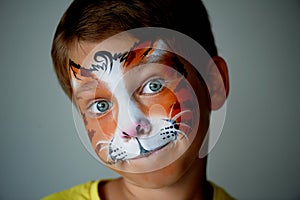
(143, 127)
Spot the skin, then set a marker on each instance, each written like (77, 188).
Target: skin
(185, 176)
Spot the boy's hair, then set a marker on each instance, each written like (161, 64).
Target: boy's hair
(96, 20)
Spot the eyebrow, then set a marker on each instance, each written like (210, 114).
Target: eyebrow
(87, 86)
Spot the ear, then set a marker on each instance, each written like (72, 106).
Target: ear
(218, 81)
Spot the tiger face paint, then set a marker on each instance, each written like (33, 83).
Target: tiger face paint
(138, 102)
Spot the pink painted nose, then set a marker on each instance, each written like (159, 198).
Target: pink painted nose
(141, 128)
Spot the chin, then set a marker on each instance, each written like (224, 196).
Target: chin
(156, 179)
(165, 176)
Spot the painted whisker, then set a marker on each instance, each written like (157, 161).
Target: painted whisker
(184, 124)
(101, 145)
(180, 114)
(102, 142)
(182, 133)
(171, 111)
(102, 148)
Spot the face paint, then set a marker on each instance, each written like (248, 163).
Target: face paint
(139, 110)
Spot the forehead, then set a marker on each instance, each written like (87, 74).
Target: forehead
(84, 51)
(110, 59)
(99, 62)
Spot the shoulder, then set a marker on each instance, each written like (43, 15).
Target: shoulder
(84, 191)
(220, 193)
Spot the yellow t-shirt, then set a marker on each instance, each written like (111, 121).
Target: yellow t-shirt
(89, 191)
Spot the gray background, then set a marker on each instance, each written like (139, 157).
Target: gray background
(257, 156)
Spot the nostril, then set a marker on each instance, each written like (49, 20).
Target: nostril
(144, 127)
(125, 135)
(139, 129)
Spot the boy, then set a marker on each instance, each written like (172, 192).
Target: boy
(144, 93)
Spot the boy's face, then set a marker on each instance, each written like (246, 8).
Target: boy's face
(140, 103)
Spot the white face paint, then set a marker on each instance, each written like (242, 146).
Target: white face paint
(139, 110)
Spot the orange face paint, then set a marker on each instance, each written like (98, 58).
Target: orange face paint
(136, 104)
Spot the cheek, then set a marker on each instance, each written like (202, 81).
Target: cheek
(179, 103)
(101, 128)
(170, 103)
(160, 104)
(186, 96)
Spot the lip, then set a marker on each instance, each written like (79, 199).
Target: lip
(156, 150)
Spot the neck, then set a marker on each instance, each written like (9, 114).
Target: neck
(191, 185)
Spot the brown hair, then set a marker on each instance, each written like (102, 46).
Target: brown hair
(95, 20)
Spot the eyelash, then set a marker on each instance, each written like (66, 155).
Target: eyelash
(94, 109)
(146, 89)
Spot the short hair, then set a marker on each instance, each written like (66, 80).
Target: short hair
(96, 20)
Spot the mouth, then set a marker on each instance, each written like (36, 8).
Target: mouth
(149, 153)
(143, 147)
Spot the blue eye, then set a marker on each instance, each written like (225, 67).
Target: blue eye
(153, 86)
(100, 107)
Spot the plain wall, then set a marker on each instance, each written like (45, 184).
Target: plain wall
(257, 155)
